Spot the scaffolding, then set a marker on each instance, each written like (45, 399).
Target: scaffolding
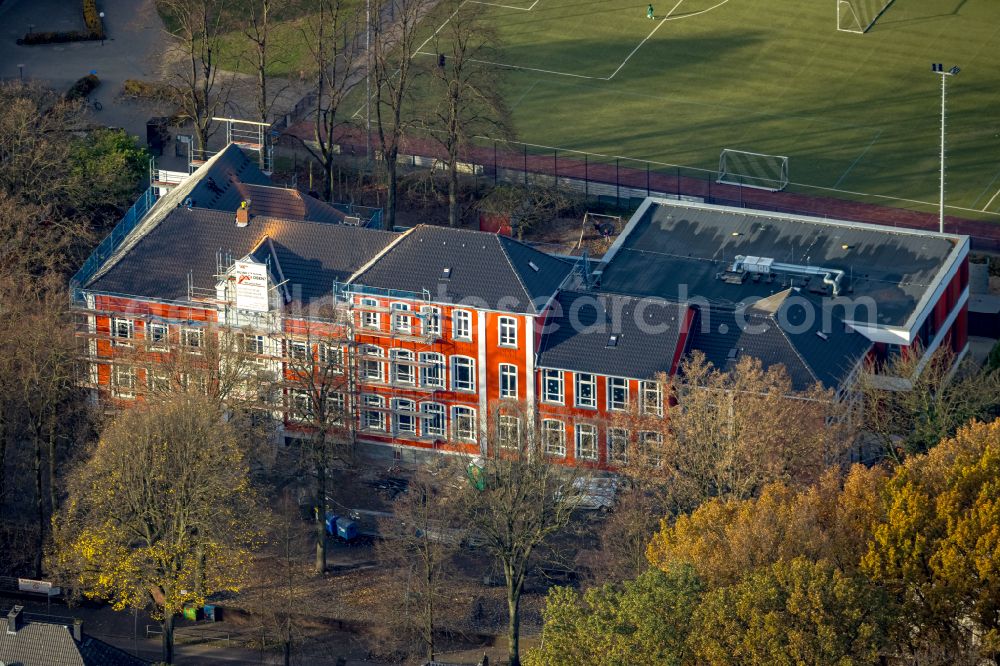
(250, 135)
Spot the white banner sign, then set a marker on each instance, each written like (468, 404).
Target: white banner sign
(36, 586)
(251, 286)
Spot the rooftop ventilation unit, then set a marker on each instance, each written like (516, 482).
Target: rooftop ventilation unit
(767, 265)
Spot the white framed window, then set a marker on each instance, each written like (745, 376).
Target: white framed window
(157, 335)
(553, 387)
(370, 366)
(463, 424)
(299, 405)
(461, 325)
(369, 315)
(463, 373)
(251, 344)
(372, 412)
(404, 417)
(554, 437)
(402, 366)
(401, 321)
(586, 441)
(508, 381)
(336, 408)
(431, 317)
(586, 390)
(331, 355)
(158, 380)
(617, 393)
(123, 381)
(652, 398)
(652, 445)
(298, 350)
(194, 382)
(432, 419)
(431, 369)
(508, 431)
(508, 331)
(193, 339)
(122, 330)
(617, 445)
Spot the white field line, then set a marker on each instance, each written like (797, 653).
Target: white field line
(521, 97)
(986, 190)
(529, 69)
(639, 45)
(494, 4)
(856, 160)
(990, 202)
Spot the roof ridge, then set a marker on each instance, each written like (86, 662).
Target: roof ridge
(517, 274)
(510, 239)
(795, 349)
(386, 250)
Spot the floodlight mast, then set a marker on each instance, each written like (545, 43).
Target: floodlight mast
(938, 68)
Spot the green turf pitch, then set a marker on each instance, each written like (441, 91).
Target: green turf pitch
(852, 112)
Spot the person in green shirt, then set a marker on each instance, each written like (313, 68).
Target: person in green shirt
(649, 12)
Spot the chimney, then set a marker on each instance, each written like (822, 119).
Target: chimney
(243, 214)
(77, 630)
(14, 619)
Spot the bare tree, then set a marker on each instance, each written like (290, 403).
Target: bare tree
(257, 27)
(727, 432)
(317, 382)
(517, 501)
(329, 34)
(394, 45)
(41, 379)
(196, 85)
(912, 402)
(422, 536)
(468, 90)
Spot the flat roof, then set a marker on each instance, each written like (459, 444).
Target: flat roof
(679, 250)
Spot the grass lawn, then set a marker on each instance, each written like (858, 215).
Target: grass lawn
(857, 113)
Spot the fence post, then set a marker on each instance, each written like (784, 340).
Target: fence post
(618, 186)
(647, 179)
(555, 169)
(496, 176)
(586, 176)
(525, 165)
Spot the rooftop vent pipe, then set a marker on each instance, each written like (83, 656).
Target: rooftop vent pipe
(831, 276)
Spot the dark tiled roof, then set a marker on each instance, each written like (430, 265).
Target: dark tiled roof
(280, 202)
(216, 185)
(99, 653)
(784, 329)
(312, 254)
(39, 644)
(578, 335)
(486, 270)
(677, 251)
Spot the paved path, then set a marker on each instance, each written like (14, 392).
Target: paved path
(133, 50)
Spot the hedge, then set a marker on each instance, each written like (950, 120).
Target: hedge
(92, 19)
(94, 31)
(136, 89)
(83, 87)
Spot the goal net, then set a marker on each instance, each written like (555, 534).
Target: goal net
(859, 16)
(763, 172)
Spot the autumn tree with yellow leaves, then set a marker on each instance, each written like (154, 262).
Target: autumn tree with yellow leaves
(938, 548)
(162, 514)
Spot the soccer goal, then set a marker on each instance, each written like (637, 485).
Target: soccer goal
(859, 16)
(762, 172)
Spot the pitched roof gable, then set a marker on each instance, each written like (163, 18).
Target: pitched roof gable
(312, 255)
(613, 334)
(471, 267)
(782, 330)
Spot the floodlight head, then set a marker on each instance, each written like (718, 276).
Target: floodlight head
(954, 70)
(937, 67)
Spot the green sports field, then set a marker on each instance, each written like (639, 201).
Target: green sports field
(854, 113)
